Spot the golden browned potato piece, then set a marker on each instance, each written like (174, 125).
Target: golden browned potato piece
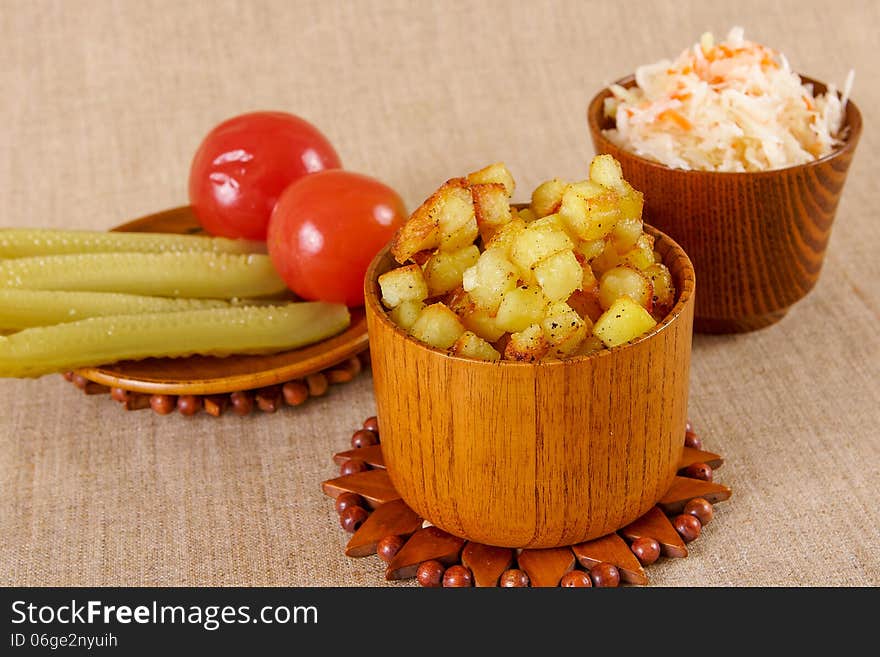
(489, 279)
(626, 281)
(664, 289)
(606, 171)
(559, 275)
(422, 231)
(492, 208)
(473, 346)
(443, 270)
(521, 307)
(406, 313)
(437, 326)
(625, 320)
(403, 284)
(547, 197)
(564, 329)
(528, 345)
(494, 173)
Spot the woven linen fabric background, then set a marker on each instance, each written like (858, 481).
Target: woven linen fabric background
(103, 106)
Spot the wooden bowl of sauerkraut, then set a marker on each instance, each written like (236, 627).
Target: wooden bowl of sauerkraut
(751, 203)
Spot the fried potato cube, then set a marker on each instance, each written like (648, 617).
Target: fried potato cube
(626, 233)
(631, 203)
(641, 256)
(547, 197)
(625, 281)
(590, 218)
(564, 329)
(591, 249)
(521, 307)
(535, 243)
(559, 275)
(527, 215)
(494, 173)
(587, 188)
(608, 259)
(625, 320)
(483, 324)
(491, 207)
(406, 313)
(606, 171)
(403, 284)
(528, 345)
(664, 288)
(457, 221)
(421, 232)
(437, 326)
(588, 277)
(586, 303)
(502, 240)
(443, 270)
(473, 346)
(489, 279)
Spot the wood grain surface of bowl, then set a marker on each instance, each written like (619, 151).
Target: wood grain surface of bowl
(209, 375)
(533, 454)
(757, 239)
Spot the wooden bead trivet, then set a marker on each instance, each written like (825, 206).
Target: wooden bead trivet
(383, 524)
(242, 402)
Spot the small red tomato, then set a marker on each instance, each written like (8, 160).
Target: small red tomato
(325, 230)
(243, 165)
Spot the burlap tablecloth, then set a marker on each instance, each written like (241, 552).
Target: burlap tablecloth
(103, 106)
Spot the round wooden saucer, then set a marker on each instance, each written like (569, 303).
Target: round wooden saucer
(381, 523)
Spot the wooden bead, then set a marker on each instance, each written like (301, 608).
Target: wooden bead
(317, 384)
(605, 575)
(216, 404)
(338, 375)
(647, 550)
(700, 509)
(68, 376)
(457, 577)
(363, 438)
(242, 402)
(701, 471)
(189, 404)
(346, 500)
(513, 578)
(80, 381)
(353, 517)
(268, 399)
(692, 440)
(372, 424)
(135, 401)
(687, 526)
(430, 574)
(295, 393)
(575, 579)
(688, 427)
(351, 466)
(388, 547)
(119, 394)
(162, 404)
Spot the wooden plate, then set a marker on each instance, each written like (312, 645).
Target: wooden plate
(206, 375)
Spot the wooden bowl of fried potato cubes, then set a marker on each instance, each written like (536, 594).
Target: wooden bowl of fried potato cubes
(530, 362)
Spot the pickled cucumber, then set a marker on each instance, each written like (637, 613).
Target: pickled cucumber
(195, 275)
(20, 309)
(214, 332)
(27, 242)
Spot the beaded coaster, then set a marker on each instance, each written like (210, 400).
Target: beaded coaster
(383, 524)
(267, 399)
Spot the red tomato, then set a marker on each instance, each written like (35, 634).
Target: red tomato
(243, 165)
(325, 230)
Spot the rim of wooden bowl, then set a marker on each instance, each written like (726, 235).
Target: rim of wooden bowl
(597, 123)
(685, 295)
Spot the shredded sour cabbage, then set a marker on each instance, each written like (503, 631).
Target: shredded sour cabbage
(730, 106)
